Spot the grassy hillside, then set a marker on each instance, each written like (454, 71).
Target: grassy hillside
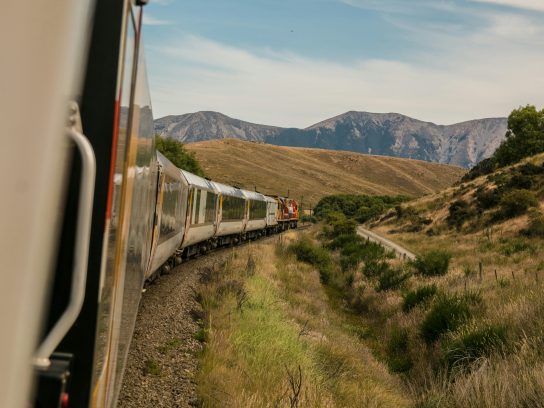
(471, 335)
(314, 173)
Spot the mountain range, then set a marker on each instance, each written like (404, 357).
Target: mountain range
(386, 134)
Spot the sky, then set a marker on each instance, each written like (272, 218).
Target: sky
(294, 63)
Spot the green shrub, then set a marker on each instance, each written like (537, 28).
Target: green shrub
(309, 218)
(472, 343)
(448, 313)
(513, 246)
(398, 359)
(375, 268)
(306, 251)
(359, 207)
(530, 169)
(176, 152)
(416, 297)
(432, 263)
(341, 241)
(459, 212)
(484, 167)
(487, 198)
(519, 181)
(391, 278)
(536, 225)
(516, 202)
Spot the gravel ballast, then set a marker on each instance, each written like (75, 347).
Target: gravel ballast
(163, 356)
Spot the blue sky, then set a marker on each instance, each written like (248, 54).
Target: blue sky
(296, 62)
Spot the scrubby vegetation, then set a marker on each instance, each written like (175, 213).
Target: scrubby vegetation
(357, 207)
(177, 153)
(525, 138)
(432, 263)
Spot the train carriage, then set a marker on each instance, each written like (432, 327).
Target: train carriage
(171, 208)
(271, 214)
(256, 209)
(231, 214)
(201, 218)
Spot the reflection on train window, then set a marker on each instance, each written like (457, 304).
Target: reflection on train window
(171, 208)
(233, 208)
(210, 207)
(257, 209)
(196, 207)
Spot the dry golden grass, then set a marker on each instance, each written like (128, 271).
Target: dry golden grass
(286, 323)
(314, 173)
(510, 287)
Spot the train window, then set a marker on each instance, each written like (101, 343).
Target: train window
(171, 208)
(210, 207)
(257, 209)
(233, 208)
(196, 207)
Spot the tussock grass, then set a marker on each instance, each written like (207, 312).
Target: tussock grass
(253, 354)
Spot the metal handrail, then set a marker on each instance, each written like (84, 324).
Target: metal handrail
(81, 252)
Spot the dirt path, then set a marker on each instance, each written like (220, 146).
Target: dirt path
(163, 359)
(399, 250)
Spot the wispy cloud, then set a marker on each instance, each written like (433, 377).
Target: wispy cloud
(150, 20)
(481, 74)
(520, 4)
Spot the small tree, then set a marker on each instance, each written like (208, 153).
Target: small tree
(177, 153)
(525, 136)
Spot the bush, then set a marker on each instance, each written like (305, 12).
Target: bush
(448, 313)
(519, 181)
(516, 202)
(536, 225)
(177, 153)
(516, 245)
(487, 198)
(484, 167)
(433, 263)
(360, 207)
(416, 297)
(397, 351)
(308, 218)
(306, 251)
(391, 278)
(459, 212)
(474, 342)
(375, 268)
(341, 241)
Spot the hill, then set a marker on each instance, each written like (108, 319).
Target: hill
(462, 323)
(390, 134)
(314, 173)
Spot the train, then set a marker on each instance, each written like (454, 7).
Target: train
(194, 215)
(92, 211)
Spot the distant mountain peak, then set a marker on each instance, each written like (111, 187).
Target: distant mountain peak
(388, 134)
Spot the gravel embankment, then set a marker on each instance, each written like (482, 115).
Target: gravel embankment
(162, 361)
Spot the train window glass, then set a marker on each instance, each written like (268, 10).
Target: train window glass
(171, 204)
(202, 212)
(233, 208)
(210, 207)
(196, 207)
(257, 210)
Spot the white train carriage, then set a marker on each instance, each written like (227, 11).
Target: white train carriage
(231, 215)
(170, 215)
(256, 212)
(271, 214)
(201, 218)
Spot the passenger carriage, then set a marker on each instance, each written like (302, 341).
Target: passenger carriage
(201, 217)
(231, 220)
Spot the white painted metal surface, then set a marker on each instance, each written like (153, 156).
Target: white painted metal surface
(43, 47)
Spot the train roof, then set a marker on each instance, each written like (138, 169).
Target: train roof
(228, 190)
(198, 181)
(253, 195)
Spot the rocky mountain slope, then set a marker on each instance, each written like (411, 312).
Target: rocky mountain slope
(388, 134)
